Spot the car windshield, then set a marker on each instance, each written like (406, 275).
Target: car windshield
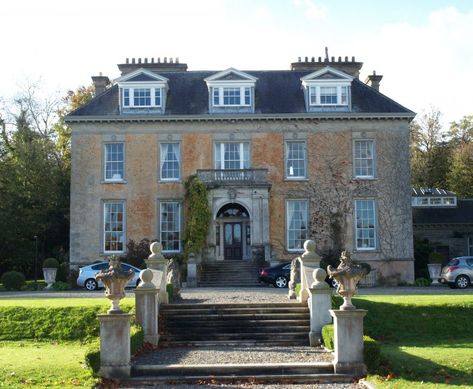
(453, 262)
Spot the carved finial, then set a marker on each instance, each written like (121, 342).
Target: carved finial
(146, 276)
(319, 276)
(309, 254)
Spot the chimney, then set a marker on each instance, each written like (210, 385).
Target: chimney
(100, 83)
(350, 67)
(156, 65)
(373, 80)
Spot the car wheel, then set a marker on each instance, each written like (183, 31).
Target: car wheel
(280, 282)
(91, 284)
(462, 282)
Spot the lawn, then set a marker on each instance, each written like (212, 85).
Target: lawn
(426, 340)
(31, 364)
(62, 302)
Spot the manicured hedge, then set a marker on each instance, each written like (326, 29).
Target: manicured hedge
(371, 348)
(92, 355)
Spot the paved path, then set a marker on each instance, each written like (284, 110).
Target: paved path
(263, 293)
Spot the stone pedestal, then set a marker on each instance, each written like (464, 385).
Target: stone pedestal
(320, 302)
(115, 345)
(191, 271)
(147, 310)
(159, 265)
(310, 261)
(348, 334)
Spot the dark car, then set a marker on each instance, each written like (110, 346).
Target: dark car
(278, 275)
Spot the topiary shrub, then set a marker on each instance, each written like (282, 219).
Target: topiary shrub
(59, 285)
(435, 258)
(371, 353)
(13, 280)
(422, 282)
(50, 263)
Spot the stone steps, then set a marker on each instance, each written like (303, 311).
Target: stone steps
(229, 274)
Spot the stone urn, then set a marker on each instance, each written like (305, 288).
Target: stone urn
(50, 267)
(115, 279)
(347, 275)
(434, 272)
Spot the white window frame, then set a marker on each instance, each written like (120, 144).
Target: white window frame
(179, 227)
(286, 160)
(122, 232)
(314, 91)
(219, 148)
(152, 89)
(163, 154)
(288, 220)
(220, 92)
(373, 159)
(374, 228)
(106, 162)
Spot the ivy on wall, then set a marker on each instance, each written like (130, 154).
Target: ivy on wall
(198, 215)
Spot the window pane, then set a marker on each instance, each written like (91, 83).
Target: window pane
(114, 161)
(247, 96)
(328, 95)
(232, 155)
(157, 97)
(231, 96)
(312, 95)
(365, 224)
(295, 160)
(126, 97)
(216, 96)
(114, 233)
(297, 216)
(170, 160)
(170, 227)
(142, 97)
(364, 158)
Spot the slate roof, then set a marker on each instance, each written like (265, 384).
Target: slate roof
(461, 214)
(276, 92)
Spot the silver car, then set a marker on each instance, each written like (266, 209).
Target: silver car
(458, 273)
(87, 274)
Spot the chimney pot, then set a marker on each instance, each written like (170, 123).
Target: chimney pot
(298, 59)
(374, 80)
(165, 59)
(306, 59)
(313, 59)
(146, 60)
(139, 60)
(100, 83)
(152, 60)
(177, 59)
(346, 58)
(353, 59)
(127, 60)
(339, 59)
(320, 59)
(159, 59)
(171, 60)
(132, 60)
(333, 59)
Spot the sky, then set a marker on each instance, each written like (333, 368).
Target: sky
(423, 48)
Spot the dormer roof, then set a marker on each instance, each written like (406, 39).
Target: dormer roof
(230, 75)
(327, 73)
(141, 75)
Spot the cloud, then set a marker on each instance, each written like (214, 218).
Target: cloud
(311, 9)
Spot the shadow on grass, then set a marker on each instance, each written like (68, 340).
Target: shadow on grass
(437, 332)
(402, 364)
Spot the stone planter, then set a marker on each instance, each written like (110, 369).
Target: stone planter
(434, 272)
(49, 274)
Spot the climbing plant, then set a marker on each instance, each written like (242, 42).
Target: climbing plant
(198, 215)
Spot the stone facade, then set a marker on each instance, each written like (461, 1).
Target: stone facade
(330, 187)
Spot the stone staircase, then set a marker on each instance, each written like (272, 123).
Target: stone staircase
(234, 324)
(233, 328)
(229, 274)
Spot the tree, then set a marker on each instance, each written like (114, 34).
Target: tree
(461, 174)
(430, 153)
(461, 133)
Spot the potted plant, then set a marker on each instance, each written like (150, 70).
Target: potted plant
(435, 267)
(50, 266)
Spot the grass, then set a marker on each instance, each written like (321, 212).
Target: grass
(62, 302)
(426, 340)
(30, 364)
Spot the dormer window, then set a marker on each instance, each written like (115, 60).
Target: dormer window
(231, 91)
(231, 96)
(142, 91)
(327, 90)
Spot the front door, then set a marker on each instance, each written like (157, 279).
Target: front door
(233, 245)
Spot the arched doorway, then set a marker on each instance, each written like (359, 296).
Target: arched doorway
(233, 232)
